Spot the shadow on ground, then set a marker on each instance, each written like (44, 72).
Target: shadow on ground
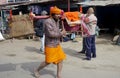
(73, 53)
(27, 67)
(7, 67)
(33, 49)
(31, 66)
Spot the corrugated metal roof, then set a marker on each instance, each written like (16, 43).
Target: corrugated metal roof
(14, 4)
(26, 3)
(99, 3)
(93, 3)
(113, 2)
(45, 0)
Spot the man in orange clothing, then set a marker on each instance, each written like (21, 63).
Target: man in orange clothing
(53, 51)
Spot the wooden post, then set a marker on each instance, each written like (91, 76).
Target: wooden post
(68, 5)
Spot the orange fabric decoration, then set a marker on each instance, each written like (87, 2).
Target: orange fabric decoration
(72, 16)
(55, 10)
(54, 54)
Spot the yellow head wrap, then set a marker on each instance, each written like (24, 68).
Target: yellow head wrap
(55, 10)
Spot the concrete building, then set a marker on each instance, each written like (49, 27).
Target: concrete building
(2, 2)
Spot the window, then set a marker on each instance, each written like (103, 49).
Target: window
(9, 1)
(21, 0)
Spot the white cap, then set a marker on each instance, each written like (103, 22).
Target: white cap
(44, 12)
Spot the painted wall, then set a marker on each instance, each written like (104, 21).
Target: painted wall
(2, 1)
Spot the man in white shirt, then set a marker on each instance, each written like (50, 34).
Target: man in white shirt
(91, 23)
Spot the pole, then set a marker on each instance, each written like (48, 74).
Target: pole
(68, 5)
(2, 21)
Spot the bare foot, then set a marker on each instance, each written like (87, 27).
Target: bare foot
(36, 73)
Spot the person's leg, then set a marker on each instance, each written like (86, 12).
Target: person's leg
(59, 69)
(93, 46)
(73, 36)
(83, 46)
(42, 43)
(118, 41)
(36, 71)
(88, 47)
(83, 49)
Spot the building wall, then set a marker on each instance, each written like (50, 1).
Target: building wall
(6, 1)
(2, 1)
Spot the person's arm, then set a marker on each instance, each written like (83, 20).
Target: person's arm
(93, 19)
(88, 20)
(40, 17)
(33, 16)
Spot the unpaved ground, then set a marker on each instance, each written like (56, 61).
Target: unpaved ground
(18, 58)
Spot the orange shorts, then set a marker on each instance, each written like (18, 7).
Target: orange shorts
(54, 54)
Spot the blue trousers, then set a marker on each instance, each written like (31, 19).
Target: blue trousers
(90, 46)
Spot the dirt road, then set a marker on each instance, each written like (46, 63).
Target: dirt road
(18, 58)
